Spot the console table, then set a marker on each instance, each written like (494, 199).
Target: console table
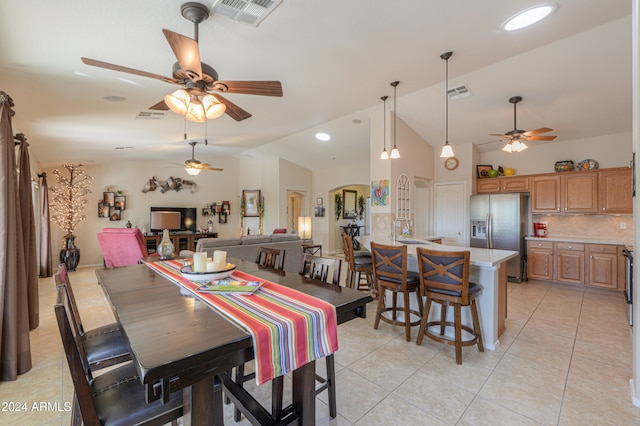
(181, 241)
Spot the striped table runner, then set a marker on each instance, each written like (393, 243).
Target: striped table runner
(289, 328)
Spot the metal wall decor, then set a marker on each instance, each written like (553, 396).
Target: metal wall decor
(173, 183)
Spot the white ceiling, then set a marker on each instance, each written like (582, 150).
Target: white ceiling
(335, 60)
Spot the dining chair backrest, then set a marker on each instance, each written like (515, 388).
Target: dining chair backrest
(446, 272)
(61, 278)
(318, 268)
(63, 300)
(389, 263)
(76, 365)
(271, 258)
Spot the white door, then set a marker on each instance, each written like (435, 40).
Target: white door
(450, 213)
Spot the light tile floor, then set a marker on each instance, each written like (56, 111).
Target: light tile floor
(565, 359)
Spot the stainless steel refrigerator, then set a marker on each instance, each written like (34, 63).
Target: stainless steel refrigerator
(501, 221)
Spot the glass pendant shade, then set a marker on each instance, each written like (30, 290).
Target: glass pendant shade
(447, 151)
(384, 155)
(212, 107)
(195, 112)
(192, 171)
(395, 153)
(178, 101)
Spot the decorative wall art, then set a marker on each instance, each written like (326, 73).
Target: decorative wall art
(175, 184)
(379, 192)
(319, 211)
(251, 200)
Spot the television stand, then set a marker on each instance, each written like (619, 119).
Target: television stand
(182, 240)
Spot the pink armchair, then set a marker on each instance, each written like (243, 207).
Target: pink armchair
(122, 246)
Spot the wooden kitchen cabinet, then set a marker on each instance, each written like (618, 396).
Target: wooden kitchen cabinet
(615, 195)
(570, 263)
(540, 260)
(545, 193)
(503, 184)
(579, 192)
(603, 266)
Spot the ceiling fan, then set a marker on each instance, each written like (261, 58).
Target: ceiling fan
(193, 166)
(516, 138)
(199, 98)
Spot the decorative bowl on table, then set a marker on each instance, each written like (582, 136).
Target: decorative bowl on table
(564, 166)
(188, 273)
(588, 164)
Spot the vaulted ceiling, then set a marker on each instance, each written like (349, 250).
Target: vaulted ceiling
(335, 60)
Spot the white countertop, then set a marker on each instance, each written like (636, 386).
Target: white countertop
(628, 244)
(479, 256)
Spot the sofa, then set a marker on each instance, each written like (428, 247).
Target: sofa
(246, 248)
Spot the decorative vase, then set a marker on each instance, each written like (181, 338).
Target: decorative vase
(70, 254)
(165, 248)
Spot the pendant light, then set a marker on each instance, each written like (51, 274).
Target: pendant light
(384, 155)
(447, 151)
(394, 152)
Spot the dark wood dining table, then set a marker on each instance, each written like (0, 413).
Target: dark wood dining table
(179, 342)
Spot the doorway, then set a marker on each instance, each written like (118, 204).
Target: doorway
(294, 206)
(422, 219)
(450, 213)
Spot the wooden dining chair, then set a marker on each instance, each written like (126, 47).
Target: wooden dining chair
(115, 397)
(319, 268)
(444, 279)
(390, 273)
(271, 258)
(103, 346)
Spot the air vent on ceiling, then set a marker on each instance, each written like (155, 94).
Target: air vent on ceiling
(459, 92)
(148, 115)
(248, 11)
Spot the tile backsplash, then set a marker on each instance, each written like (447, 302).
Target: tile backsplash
(589, 226)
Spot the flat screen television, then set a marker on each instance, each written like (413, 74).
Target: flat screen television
(175, 219)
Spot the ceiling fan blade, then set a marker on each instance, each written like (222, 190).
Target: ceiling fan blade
(263, 88)
(541, 138)
(120, 68)
(160, 106)
(186, 51)
(233, 110)
(537, 131)
(502, 135)
(216, 169)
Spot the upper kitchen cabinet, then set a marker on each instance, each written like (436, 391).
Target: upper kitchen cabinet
(545, 193)
(565, 192)
(616, 191)
(579, 192)
(503, 184)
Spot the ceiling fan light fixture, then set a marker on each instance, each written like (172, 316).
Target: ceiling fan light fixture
(213, 108)
(193, 171)
(178, 101)
(529, 16)
(195, 111)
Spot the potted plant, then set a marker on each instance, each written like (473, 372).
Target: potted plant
(338, 206)
(67, 203)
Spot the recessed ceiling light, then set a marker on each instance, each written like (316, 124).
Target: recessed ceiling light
(321, 136)
(529, 16)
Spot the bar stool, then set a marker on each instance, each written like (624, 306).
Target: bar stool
(444, 279)
(390, 273)
(359, 266)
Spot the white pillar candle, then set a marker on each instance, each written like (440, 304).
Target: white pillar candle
(217, 266)
(213, 266)
(200, 262)
(220, 256)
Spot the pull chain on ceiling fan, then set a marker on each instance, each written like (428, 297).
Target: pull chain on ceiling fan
(199, 98)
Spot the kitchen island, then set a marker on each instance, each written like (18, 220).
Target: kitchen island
(488, 268)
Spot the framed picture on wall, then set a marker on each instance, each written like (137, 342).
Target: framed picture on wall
(114, 214)
(251, 200)
(319, 201)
